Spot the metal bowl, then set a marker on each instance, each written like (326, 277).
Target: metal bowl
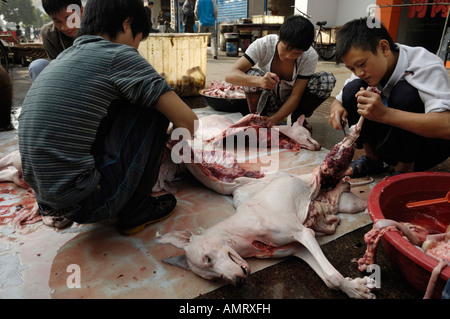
(227, 105)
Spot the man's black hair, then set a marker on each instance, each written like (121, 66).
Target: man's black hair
(55, 6)
(360, 34)
(107, 17)
(297, 32)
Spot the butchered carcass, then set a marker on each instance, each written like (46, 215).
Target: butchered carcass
(292, 137)
(275, 217)
(218, 170)
(433, 244)
(11, 171)
(338, 159)
(298, 132)
(224, 90)
(210, 156)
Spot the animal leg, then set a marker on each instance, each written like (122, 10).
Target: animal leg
(306, 256)
(57, 222)
(12, 159)
(349, 203)
(354, 288)
(8, 174)
(11, 169)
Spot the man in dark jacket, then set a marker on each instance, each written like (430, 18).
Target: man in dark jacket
(188, 16)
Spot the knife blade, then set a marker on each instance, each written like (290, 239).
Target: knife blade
(343, 127)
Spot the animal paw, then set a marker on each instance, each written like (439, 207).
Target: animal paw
(57, 222)
(359, 288)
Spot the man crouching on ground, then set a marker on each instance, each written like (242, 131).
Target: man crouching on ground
(93, 125)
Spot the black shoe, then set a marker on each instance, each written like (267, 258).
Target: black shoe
(153, 210)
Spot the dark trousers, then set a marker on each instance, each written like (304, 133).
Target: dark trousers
(6, 98)
(393, 144)
(128, 150)
(188, 29)
(308, 104)
(319, 88)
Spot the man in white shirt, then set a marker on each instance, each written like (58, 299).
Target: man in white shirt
(286, 63)
(408, 125)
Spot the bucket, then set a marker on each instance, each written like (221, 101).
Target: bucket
(232, 43)
(224, 28)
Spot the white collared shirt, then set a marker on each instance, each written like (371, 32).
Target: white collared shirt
(423, 70)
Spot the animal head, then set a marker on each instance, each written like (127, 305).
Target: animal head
(303, 130)
(207, 256)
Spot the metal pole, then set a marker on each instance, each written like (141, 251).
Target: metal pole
(302, 13)
(443, 32)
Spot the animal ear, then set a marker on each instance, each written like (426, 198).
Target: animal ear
(179, 261)
(301, 119)
(179, 239)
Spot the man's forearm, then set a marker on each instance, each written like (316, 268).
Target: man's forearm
(431, 125)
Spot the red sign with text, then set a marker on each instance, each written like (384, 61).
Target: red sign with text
(437, 9)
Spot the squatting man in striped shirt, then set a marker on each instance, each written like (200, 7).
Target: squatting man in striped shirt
(93, 125)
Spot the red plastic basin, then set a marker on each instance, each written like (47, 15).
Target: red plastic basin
(386, 201)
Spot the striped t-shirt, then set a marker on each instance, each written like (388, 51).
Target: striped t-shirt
(63, 109)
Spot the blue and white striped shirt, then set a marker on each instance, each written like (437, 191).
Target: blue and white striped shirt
(63, 109)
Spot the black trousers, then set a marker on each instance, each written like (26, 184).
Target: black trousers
(6, 99)
(319, 88)
(393, 144)
(128, 150)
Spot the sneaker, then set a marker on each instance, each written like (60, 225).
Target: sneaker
(153, 210)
